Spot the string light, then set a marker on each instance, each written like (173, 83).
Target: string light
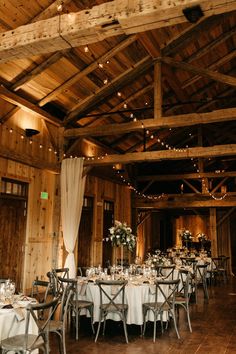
(86, 49)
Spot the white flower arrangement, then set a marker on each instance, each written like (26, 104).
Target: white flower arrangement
(201, 237)
(186, 235)
(121, 234)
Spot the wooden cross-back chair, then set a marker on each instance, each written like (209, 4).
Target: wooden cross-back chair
(112, 300)
(164, 301)
(26, 343)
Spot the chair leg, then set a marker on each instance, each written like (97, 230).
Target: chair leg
(144, 321)
(155, 327)
(174, 319)
(99, 326)
(125, 327)
(188, 317)
(91, 316)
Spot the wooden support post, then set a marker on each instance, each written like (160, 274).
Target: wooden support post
(213, 232)
(157, 91)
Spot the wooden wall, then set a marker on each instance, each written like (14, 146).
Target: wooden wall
(42, 230)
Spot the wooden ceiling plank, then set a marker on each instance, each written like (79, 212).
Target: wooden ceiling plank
(37, 70)
(75, 78)
(212, 75)
(21, 102)
(106, 90)
(102, 21)
(183, 38)
(28, 160)
(181, 120)
(149, 156)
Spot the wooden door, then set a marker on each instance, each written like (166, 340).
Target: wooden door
(85, 237)
(12, 239)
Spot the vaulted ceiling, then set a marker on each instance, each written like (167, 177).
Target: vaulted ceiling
(145, 86)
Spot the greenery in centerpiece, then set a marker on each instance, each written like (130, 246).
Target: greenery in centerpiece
(201, 237)
(121, 234)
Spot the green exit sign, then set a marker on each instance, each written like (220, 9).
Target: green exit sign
(44, 195)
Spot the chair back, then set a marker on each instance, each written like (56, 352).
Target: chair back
(166, 271)
(110, 290)
(167, 290)
(66, 298)
(185, 284)
(201, 272)
(40, 290)
(189, 261)
(32, 314)
(54, 276)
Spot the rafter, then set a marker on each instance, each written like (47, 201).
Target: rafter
(78, 76)
(212, 75)
(182, 120)
(103, 21)
(123, 79)
(186, 176)
(149, 156)
(26, 105)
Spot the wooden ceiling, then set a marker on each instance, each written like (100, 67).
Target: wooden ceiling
(134, 78)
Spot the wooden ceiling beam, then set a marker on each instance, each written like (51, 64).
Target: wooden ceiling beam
(149, 156)
(109, 19)
(186, 176)
(191, 201)
(26, 105)
(212, 75)
(182, 120)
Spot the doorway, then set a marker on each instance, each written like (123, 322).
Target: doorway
(13, 207)
(85, 233)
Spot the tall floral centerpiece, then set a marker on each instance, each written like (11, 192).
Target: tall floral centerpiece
(202, 238)
(121, 235)
(186, 236)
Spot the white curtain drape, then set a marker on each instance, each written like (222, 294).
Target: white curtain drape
(72, 195)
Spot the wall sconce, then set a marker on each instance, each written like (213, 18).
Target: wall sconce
(31, 132)
(193, 14)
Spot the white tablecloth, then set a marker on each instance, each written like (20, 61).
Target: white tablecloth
(135, 296)
(11, 326)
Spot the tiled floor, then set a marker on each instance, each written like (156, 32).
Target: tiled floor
(213, 323)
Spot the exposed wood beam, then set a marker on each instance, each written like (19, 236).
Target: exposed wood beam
(182, 120)
(186, 176)
(213, 66)
(212, 75)
(157, 91)
(219, 185)
(26, 105)
(196, 152)
(187, 201)
(78, 76)
(191, 186)
(123, 79)
(102, 21)
(8, 115)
